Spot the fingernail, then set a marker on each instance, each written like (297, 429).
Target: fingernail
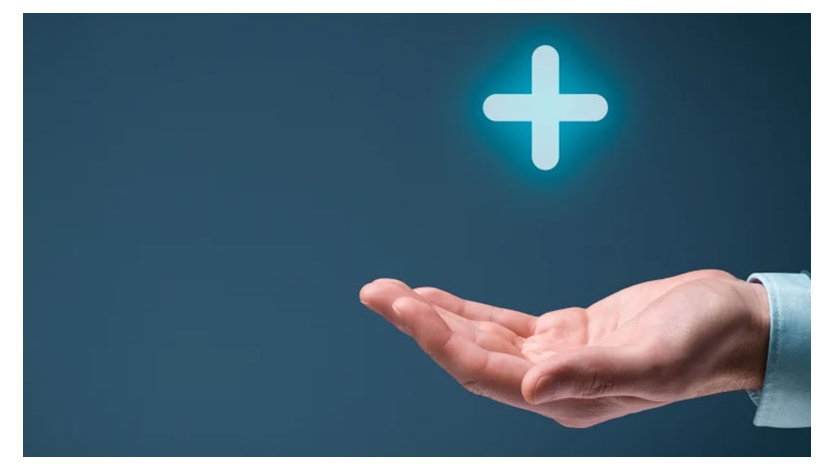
(543, 385)
(396, 309)
(365, 292)
(400, 324)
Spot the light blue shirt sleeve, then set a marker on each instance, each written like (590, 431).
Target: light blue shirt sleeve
(785, 398)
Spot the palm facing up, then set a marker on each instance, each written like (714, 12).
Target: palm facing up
(648, 345)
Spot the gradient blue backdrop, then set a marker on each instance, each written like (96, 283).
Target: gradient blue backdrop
(205, 195)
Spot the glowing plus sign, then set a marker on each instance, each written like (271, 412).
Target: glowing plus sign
(545, 107)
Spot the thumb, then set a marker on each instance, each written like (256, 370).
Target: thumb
(587, 372)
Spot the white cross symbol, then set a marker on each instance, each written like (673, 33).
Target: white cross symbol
(544, 107)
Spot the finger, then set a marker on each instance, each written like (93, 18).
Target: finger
(589, 372)
(424, 325)
(484, 372)
(380, 295)
(484, 334)
(519, 323)
(488, 373)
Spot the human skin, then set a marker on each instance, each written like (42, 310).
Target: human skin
(651, 344)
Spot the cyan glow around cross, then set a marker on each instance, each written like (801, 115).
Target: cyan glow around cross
(544, 107)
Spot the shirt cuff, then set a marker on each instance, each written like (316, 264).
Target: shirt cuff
(784, 400)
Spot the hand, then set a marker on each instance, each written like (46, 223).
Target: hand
(651, 344)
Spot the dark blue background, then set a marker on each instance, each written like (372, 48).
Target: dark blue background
(206, 194)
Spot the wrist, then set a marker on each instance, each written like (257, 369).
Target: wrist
(758, 311)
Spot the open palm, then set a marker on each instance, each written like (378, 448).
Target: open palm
(640, 348)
